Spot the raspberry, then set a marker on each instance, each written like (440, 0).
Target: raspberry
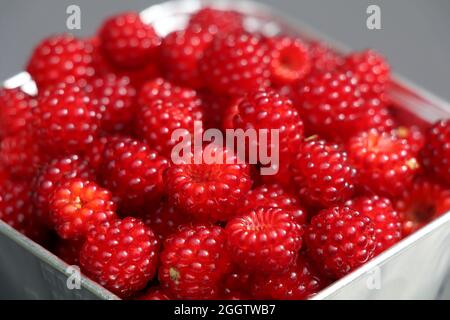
(69, 251)
(16, 209)
(193, 262)
(58, 59)
(163, 109)
(436, 153)
(273, 196)
(268, 110)
(20, 154)
(15, 111)
(332, 106)
(154, 293)
(299, 282)
(413, 134)
(211, 190)
(290, 60)
(323, 59)
(79, 205)
(115, 98)
(181, 52)
(217, 21)
(127, 41)
(323, 173)
(65, 120)
(50, 177)
(420, 204)
(372, 71)
(265, 239)
(386, 220)
(122, 256)
(164, 219)
(133, 173)
(385, 163)
(340, 240)
(236, 64)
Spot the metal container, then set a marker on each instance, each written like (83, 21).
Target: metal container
(418, 267)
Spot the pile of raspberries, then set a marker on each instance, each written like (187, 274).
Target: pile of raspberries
(86, 170)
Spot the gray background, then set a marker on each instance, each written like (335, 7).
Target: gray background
(415, 35)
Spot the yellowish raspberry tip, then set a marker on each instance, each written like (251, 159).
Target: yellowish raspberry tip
(311, 138)
(402, 132)
(412, 164)
(174, 274)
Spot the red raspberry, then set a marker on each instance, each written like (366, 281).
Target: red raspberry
(211, 190)
(436, 153)
(79, 205)
(51, 176)
(15, 111)
(385, 163)
(65, 120)
(386, 220)
(265, 239)
(20, 154)
(299, 282)
(323, 59)
(413, 134)
(420, 204)
(69, 251)
(164, 219)
(340, 240)
(273, 196)
(290, 60)
(133, 173)
(181, 52)
(115, 98)
(60, 58)
(372, 71)
(332, 106)
(217, 21)
(269, 110)
(16, 209)
(121, 256)
(163, 109)
(127, 41)
(323, 173)
(236, 64)
(154, 293)
(193, 262)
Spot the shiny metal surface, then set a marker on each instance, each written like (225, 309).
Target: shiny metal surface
(418, 267)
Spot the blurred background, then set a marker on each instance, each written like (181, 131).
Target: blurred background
(414, 36)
